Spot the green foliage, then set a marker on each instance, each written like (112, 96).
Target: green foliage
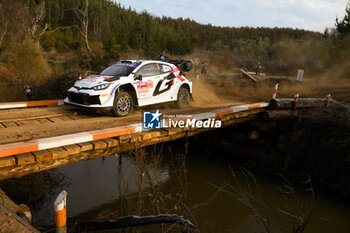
(121, 29)
(258, 48)
(339, 44)
(112, 47)
(343, 27)
(117, 30)
(62, 41)
(26, 61)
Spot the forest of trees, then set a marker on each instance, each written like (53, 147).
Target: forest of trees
(40, 38)
(60, 24)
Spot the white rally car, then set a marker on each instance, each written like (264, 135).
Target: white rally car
(129, 83)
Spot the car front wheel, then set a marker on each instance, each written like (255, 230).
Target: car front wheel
(122, 105)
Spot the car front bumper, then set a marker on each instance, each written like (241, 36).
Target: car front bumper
(90, 107)
(89, 98)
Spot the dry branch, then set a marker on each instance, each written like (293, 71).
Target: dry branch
(38, 17)
(83, 17)
(3, 34)
(133, 221)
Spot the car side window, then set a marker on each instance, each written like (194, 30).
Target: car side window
(164, 68)
(148, 70)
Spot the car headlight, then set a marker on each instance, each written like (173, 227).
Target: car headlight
(101, 87)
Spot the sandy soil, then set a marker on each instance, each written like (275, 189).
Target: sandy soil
(73, 120)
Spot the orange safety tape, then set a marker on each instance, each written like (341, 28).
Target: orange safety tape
(17, 150)
(218, 114)
(254, 106)
(61, 217)
(42, 103)
(108, 133)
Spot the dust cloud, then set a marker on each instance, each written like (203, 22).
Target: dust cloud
(206, 95)
(229, 93)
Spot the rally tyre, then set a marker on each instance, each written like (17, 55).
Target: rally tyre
(183, 97)
(122, 104)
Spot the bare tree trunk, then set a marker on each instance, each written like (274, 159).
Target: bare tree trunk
(83, 17)
(38, 17)
(3, 34)
(49, 11)
(62, 11)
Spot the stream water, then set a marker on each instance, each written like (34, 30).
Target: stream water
(108, 187)
(200, 178)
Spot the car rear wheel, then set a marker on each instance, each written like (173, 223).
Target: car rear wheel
(122, 105)
(183, 97)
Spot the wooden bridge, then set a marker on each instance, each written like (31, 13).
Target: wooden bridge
(24, 157)
(19, 158)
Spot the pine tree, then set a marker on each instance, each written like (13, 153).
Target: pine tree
(343, 27)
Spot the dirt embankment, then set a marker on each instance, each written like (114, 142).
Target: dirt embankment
(312, 143)
(226, 90)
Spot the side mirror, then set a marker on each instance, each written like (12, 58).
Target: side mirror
(138, 76)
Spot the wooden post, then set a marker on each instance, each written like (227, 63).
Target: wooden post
(300, 75)
(328, 99)
(273, 102)
(295, 101)
(60, 212)
(275, 91)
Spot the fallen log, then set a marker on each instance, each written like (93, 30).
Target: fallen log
(245, 74)
(133, 221)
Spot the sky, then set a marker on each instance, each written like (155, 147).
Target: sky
(315, 15)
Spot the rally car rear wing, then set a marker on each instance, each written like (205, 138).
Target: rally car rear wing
(183, 65)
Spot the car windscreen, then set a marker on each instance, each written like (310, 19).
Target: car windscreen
(119, 70)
